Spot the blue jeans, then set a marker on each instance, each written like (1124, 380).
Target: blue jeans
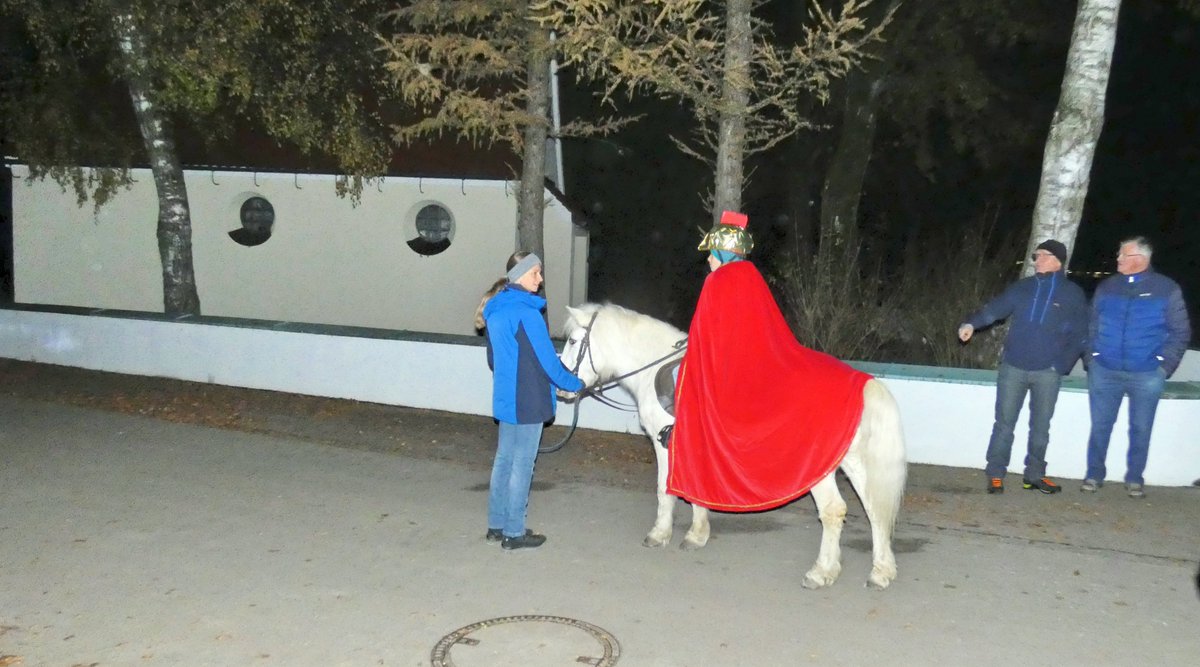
(1106, 388)
(1012, 384)
(512, 473)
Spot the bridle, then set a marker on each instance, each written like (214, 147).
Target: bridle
(597, 390)
(585, 345)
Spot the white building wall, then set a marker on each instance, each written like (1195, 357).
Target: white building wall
(327, 261)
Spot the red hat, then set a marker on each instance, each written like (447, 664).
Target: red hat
(734, 219)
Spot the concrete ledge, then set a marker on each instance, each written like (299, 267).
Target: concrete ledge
(947, 412)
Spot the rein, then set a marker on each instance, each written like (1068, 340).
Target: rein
(678, 348)
(583, 346)
(597, 391)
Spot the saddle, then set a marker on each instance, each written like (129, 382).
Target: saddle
(664, 385)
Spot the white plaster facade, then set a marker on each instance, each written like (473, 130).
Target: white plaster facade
(327, 261)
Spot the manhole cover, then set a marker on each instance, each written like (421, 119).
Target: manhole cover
(527, 641)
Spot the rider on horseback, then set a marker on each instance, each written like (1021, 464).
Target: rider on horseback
(750, 397)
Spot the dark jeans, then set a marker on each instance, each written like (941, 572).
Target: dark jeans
(1106, 388)
(1012, 384)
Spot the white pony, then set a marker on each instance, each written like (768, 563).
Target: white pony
(606, 342)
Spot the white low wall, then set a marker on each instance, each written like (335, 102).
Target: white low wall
(946, 422)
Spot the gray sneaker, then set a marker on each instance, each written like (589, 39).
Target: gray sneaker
(1090, 485)
(1135, 490)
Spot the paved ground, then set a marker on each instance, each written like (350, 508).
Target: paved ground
(151, 522)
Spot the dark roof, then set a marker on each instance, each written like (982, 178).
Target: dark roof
(441, 158)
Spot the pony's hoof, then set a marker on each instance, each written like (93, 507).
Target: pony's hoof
(689, 544)
(879, 580)
(816, 579)
(655, 543)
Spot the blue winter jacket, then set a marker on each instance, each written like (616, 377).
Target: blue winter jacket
(1047, 322)
(525, 366)
(1139, 323)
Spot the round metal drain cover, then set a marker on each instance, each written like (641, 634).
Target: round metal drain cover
(527, 641)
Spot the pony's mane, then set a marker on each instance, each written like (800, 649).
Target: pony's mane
(631, 324)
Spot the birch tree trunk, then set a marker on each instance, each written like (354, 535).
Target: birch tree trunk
(174, 218)
(1075, 129)
(531, 193)
(735, 96)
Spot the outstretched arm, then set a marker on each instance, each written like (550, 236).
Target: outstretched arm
(995, 310)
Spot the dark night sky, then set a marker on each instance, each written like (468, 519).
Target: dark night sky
(1147, 170)
(1144, 178)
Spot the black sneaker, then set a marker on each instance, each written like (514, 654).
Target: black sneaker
(1045, 485)
(995, 485)
(497, 534)
(530, 540)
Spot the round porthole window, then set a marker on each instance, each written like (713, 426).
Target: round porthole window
(257, 216)
(432, 230)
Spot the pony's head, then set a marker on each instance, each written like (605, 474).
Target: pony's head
(605, 341)
(578, 353)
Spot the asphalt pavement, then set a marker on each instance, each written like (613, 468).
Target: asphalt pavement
(131, 540)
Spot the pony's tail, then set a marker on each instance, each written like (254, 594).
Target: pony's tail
(480, 325)
(885, 458)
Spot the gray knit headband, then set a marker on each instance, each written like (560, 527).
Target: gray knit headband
(522, 267)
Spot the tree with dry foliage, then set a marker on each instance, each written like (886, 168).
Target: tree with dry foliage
(300, 71)
(480, 71)
(719, 59)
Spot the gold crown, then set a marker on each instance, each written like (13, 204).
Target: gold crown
(728, 237)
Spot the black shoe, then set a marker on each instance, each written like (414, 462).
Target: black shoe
(1045, 485)
(497, 534)
(995, 485)
(530, 540)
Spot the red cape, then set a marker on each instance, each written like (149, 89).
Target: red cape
(759, 418)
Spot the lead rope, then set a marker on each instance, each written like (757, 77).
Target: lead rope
(587, 337)
(570, 432)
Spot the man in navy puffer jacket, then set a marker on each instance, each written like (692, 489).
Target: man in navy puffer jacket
(1139, 330)
(1047, 329)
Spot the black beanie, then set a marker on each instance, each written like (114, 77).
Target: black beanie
(1055, 248)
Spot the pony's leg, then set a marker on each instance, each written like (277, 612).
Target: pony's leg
(660, 534)
(697, 535)
(883, 568)
(877, 466)
(831, 509)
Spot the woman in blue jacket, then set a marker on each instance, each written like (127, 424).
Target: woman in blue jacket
(525, 371)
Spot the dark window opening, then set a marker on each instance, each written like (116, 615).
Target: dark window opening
(435, 230)
(257, 218)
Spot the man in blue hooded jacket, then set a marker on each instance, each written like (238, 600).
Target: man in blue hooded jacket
(1047, 317)
(1139, 330)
